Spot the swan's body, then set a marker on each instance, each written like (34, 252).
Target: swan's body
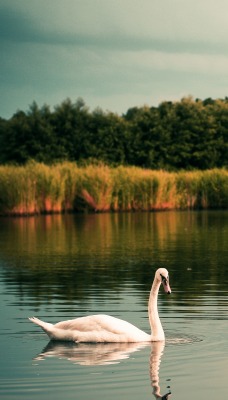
(104, 328)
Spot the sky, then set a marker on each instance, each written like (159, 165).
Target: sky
(114, 54)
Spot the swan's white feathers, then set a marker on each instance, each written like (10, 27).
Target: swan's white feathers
(96, 323)
(109, 328)
(94, 328)
(105, 328)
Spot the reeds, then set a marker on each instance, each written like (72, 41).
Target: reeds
(202, 189)
(37, 188)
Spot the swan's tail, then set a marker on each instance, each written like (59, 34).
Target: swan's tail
(47, 328)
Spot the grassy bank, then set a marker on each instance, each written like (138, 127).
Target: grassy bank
(37, 188)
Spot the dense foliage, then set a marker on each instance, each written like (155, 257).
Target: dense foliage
(189, 134)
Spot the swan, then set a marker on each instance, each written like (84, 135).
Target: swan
(108, 329)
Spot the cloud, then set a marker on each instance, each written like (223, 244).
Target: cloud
(185, 62)
(168, 25)
(111, 51)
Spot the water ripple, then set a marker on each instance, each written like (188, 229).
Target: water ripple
(183, 339)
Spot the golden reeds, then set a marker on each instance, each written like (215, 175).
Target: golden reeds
(37, 188)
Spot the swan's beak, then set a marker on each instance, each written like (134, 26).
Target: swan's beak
(166, 286)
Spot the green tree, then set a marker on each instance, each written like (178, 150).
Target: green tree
(189, 134)
(71, 122)
(192, 136)
(109, 138)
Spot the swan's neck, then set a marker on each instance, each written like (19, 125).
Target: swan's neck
(157, 332)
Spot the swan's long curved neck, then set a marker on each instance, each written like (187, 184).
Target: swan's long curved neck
(157, 332)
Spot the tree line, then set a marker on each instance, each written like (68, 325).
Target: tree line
(187, 134)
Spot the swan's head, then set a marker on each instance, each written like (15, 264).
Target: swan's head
(162, 276)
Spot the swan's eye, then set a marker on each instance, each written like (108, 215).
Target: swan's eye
(164, 279)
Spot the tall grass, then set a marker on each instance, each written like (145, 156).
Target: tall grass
(139, 189)
(37, 188)
(202, 189)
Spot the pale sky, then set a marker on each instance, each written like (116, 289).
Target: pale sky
(115, 54)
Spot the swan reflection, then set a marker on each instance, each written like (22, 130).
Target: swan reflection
(157, 349)
(90, 353)
(107, 353)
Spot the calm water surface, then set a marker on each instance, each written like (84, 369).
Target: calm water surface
(60, 267)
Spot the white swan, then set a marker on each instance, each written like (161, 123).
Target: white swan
(104, 328)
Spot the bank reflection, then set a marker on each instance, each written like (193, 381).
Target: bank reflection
(72, 251)
(91, 354)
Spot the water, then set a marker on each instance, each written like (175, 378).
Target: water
(59, 267)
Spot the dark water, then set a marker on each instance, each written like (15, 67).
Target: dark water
(60, 267)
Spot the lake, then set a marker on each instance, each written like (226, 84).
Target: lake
(64, 266)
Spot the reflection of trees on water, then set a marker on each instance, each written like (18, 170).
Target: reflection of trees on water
(63, 256)
(94, 354)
